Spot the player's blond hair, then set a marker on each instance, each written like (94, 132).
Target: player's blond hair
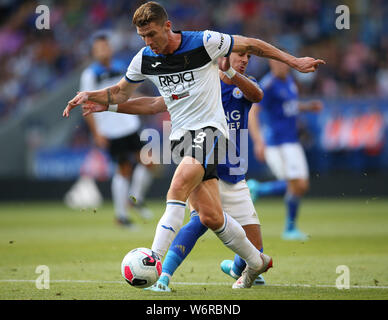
(149, 12)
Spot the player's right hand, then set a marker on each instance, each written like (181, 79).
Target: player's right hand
(80, 98)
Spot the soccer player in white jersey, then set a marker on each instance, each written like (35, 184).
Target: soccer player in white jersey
(116, 133)
(183, 67)
(238, 94)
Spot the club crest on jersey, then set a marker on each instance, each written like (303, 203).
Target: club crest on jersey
(237, 93)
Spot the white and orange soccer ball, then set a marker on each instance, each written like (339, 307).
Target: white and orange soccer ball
(141, 267)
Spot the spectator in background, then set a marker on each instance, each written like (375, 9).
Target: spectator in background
(353, 56)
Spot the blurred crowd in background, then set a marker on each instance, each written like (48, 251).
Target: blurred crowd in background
(33, 60)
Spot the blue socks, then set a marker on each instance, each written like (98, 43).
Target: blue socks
(184, 243)
(292, 207)
(239, 264)
(182, 246)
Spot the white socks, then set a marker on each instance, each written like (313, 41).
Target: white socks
(120, 191)
(168, 226)
(233, 236)
(141, 180)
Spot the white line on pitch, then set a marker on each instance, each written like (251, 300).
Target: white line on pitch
(280, 285)
(201, 283)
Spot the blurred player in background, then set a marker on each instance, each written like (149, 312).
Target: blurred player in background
(278, 144)
(116, 133)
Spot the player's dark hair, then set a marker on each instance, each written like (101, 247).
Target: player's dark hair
(149, 12)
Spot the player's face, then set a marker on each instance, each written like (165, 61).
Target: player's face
(102, 50)
(155, 35)
(239, 61)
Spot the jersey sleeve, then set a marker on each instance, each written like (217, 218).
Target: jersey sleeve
(217, 44)
(88, 80)
(134, 73)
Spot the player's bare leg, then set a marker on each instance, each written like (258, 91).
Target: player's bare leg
(295, 190)
(120, 189)
(298, 187)
(206, 200)
(253, 232)
(188, 175)
(141, 181)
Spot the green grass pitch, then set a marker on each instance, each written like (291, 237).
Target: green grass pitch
(83, 250)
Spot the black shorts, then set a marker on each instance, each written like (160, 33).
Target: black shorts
(206, 145)
(125, 148)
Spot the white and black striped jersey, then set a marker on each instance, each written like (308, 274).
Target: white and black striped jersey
(188, 80)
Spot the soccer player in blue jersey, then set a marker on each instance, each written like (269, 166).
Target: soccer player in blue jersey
(182, 65)
(278, 144)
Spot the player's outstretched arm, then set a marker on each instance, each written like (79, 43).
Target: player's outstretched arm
(263, 49)
(141, 105)
(251, 90)
(112, 95)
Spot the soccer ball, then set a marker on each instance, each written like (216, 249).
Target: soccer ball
(141, 267)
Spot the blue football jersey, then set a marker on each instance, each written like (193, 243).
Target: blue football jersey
(236, 108)
(279, 109)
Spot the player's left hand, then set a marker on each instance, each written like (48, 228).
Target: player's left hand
(224, 63)
(307, 64)
(89, 107)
